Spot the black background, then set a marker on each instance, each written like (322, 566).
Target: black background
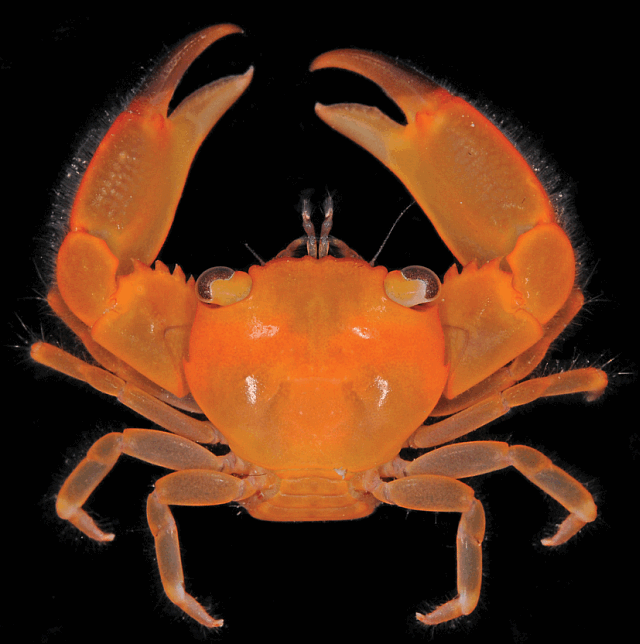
(337, 580)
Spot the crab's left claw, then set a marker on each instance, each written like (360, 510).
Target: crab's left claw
(483, 199)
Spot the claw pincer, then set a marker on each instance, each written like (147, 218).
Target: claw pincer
(122, 214)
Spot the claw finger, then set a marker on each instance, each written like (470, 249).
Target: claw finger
(478, 191)
(162, 84)
(412, 91)
(130, 191)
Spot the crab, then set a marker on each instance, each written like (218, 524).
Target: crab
(317, 368)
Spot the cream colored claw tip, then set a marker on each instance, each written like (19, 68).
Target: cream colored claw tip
(412, 91)
(163, 82)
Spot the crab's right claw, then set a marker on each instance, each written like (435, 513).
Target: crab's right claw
(484, 200)
(130, 191)
(123, 211)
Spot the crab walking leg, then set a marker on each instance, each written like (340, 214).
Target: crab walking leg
(165, 532)
(471, 459)
(590, 380)
(443, 494)
(133, 397)
(191, 487)
(152, 446)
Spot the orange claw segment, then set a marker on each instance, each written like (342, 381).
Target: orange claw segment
(86, 270)
(150, 323)
(132, 186)
(543, 265)
(485, 324)
(478, 191)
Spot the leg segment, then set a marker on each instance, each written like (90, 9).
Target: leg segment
(590, 380)
(165, 533)
(159, 448)
(471, 459)
(142, 402)
(190, 487)
(444, 494)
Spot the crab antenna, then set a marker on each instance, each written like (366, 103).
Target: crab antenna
(386, 239)
(327, 224)
(253, 252)
(309, 229)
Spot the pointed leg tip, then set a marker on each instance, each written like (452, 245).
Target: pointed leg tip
(204, 618)
(551, 542)
(82, 521)
(427, 619)
(569, 528)
(98, 535)
(444, 613)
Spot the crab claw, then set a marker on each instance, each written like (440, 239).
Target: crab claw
(476, 188)
(485, 202)
(130, 191)
(123, 211)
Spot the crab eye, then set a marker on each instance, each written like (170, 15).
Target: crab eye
(223, 286)
(412, 285)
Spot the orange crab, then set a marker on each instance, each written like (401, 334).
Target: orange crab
(317, 370)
